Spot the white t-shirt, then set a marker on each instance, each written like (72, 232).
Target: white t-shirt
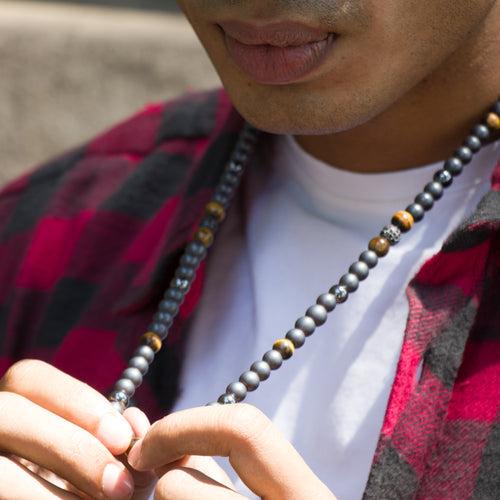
(295, 227)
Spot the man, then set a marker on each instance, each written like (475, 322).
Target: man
(397, 397)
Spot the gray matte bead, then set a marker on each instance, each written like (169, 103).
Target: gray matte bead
(238, 389)
(416, 210)
(473, 143)
(119, 407)
(250, 379)
(210, 222)
(174, 294)
(185, 273)
(370, 258)
(222, 199)
(425, 200)
(464, 154)
(235, 167)
(146, 352)
(140, 363)
(328, 301)
(134, 375)
(496, 107)
(306, 324)
(125, 385)
(454, 165)
(190, 260)
(360, 269)
(158, 328)
(482, 132)
(298, 337)
(340, 292)
(318, 313)
(169, 306)
(163, 317)
(227, 399)
(273, 358)
(435, 189)
(230, 179)
(350, 281)
(443, 177)
(197, 249)
(262, 369)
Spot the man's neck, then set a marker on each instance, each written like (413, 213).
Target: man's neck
(429, 122)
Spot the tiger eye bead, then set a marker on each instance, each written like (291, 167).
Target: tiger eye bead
(217, 210)
(152, 340)
(205, 236)
(493, 121)
(285, 347)
(404, 220)
(379, 245)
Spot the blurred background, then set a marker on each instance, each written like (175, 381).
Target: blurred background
(70, 69)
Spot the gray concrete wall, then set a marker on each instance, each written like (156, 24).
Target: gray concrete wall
(68, 72)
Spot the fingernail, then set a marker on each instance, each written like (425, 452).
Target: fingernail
(134, 454)
(114, 431)
(117, 482)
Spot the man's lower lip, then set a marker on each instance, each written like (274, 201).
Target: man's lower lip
(278, 65)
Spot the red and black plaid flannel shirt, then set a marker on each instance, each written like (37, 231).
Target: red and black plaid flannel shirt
(90, 240)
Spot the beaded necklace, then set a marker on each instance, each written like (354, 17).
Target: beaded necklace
(316, 315)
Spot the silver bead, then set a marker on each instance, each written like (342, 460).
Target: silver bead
(262, 369)
(134, 375)
(340, 292)
(306, 324)
(146, 352)
(298, 337)
(125, 385)
(318, 313)
(328, 301)
(226, 399)
(238, 389)
(392, 233)
(250, 379)
(140, 363)
(273, 358)
(119, 397)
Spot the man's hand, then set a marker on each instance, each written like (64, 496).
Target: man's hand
(50, 421)
(177, 447)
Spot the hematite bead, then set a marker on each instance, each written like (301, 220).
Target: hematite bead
(318, 314)
(493, 121)
(297, 337)
(210, 223)
(425, 200)
(340, 292)
(403, 220)
(238, 389)
(216, 210)
(158, 328)
(227, 399)
(119, 397)
(190, 260)
(164, 318)
(273, 358)
(169, 306)
(145, 352)
(350, 281)
(435, 189)
(139, 362)
(306, 324)
(285, 347)
(250, 379)
(417, 211)
(205, 236)
(185, 273)
(262, 369)
(134, 375)
(328, 301)
(443, 177)
(369, 257)
(119, 407)
(360, 270)
(482, 132)
(473, 143)
(152, 340)
(454, 166)
(379, 245)
(464, 154)
(197, 249)
(126, 385)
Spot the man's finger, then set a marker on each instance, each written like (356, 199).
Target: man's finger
(183, 483)
(22, 484)
(259, 453)
(69, 398)
(46, 439)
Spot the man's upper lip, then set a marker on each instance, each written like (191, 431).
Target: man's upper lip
(280, 34)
